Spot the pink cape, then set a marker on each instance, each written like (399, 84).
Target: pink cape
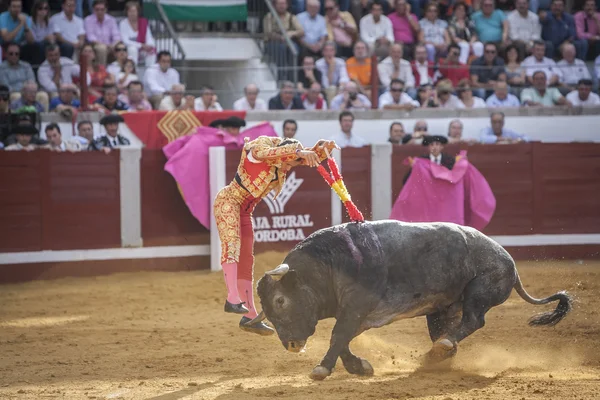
(435, 194)
(188, 163)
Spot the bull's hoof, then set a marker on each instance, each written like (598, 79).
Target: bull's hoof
(441, 350)
(319, 373)
(358, 366)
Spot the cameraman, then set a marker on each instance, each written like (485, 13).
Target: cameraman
(350, 99)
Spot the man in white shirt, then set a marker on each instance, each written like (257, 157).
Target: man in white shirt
(56, 142)
(57, 70)
(68, 28)
(160, 77)
(207, 100)
(346, 138)
(573, 70)
(250, 101)
(350, 99)
(333, 68)
(396, 99)
(583, 96)
(376, 30)
(537, 62)
(501, 97)
(395, 67)
(524, 27)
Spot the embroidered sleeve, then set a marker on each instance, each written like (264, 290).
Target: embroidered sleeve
(266, 150)
(319, 150)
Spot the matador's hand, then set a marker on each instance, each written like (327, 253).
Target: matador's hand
(329, 145)
(312, 160)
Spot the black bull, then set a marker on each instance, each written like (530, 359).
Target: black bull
(367, 275)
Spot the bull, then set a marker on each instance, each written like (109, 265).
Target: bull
(367, 275)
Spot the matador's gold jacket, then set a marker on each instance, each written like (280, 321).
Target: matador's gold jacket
(259, 169)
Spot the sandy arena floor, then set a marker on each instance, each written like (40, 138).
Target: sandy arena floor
(164, 336)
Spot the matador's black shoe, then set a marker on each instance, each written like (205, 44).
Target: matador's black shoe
(235, 308)
(259, 328)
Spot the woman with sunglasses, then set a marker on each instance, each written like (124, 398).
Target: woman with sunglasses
(40, 28)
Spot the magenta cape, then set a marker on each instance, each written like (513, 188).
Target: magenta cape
(188, 163)
(435, 194)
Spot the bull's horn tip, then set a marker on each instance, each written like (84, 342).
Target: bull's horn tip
(281, 270)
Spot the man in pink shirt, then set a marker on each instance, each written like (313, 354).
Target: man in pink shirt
(406, 26)
(102, 31)
(587, 24)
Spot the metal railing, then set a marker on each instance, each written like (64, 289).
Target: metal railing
(164, 35)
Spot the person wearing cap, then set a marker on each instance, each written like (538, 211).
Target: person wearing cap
(435, 143)
(231, 125)
(263, 167)
(112, 139)
(23, 133)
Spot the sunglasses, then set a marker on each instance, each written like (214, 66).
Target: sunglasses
(491, 51)
(120, 49)
(13, 53)
(396, 90)
(419, 129)
(328, 8)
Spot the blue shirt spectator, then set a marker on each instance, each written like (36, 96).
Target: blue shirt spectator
(501, 97)
(20, 104)
(55, 102)
(489, 23)
(315, 28)
(10, 20)
(497, 133)
(559, 27)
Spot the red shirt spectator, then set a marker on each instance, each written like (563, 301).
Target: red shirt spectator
(450, 68)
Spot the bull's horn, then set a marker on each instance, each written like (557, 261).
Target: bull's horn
(278, 272)
(259, 318)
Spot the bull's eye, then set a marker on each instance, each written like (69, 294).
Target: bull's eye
(280, 301)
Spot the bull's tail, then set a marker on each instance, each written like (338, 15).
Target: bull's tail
(550, 318)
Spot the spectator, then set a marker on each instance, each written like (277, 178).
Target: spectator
(308, 74)
(135, 98)
(491, 24)
(573, 70)
(583, 96)
(395, 67)
(276, 46)
(110, 102)
(515, 73)
(290, 127)
(332, 68)
(486, 70)
(13, 71)
(497, 133)
(136, 35)
(350, 99)
(455, 131)
(540, 94)
(117, 66)
(346, 138)
(56, 142)
(43, 33)
(24, 134)
(102, 31)
(396, 99)
(207, 100)
(359, 66)
(312, 99)
(445, 97)
(57, 70)
(315, 29)
(466, 95)
(15, 27)
(422, 69)
(250, 101)
(558, 27)
(463, 33)
(27, 102)
(537, 62)
(451, 68)
(587, 24)
(427, 97)
(434, 33)
(112, 139)
(406, 25)
(66, 104)
(286, 99)
(419, 132)
(376, 29)
(85, 132)
(79, 7)
(397, 133)
(341, 28)
(69, 30)
(98, 74)
(524, 28)
(501, 97)
(128, 75)
(175, 99)
(160, 77)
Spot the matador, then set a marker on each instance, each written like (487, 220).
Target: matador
(264, 163)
